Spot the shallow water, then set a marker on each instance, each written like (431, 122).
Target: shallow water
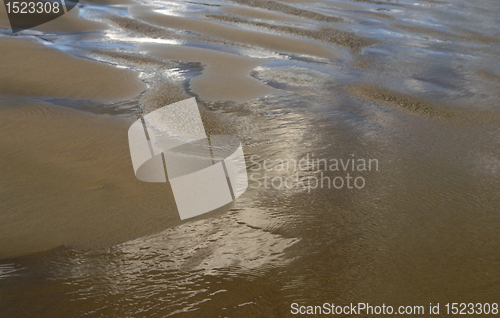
(412, 84)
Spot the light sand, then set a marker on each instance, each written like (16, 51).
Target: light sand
(225, 76)
(32, 69)
(67, 178)
(69, 22)
(274, 42)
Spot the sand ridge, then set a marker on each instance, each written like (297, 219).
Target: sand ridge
(323, 34)
(261, 14)
(274, 42)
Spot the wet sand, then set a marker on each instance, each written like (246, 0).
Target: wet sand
(63, 183)
(260, 14)
(35, 70)
(209, 28)
(225, 76)
(413, 85)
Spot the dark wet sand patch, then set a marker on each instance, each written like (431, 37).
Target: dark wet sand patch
(493, 81)
(141, 28)
(489, 76)
(136, 59)
(286, 9)
(473, 36)
(460, 115)
(161, 94)
(257, 13)
(366, 63)
(467, 36)
(328, 35)
(413, 104)
(164, 93)
(377, 15)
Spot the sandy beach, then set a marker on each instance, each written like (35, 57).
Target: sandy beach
(58, 75)
(412, 86)
(79, 192)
